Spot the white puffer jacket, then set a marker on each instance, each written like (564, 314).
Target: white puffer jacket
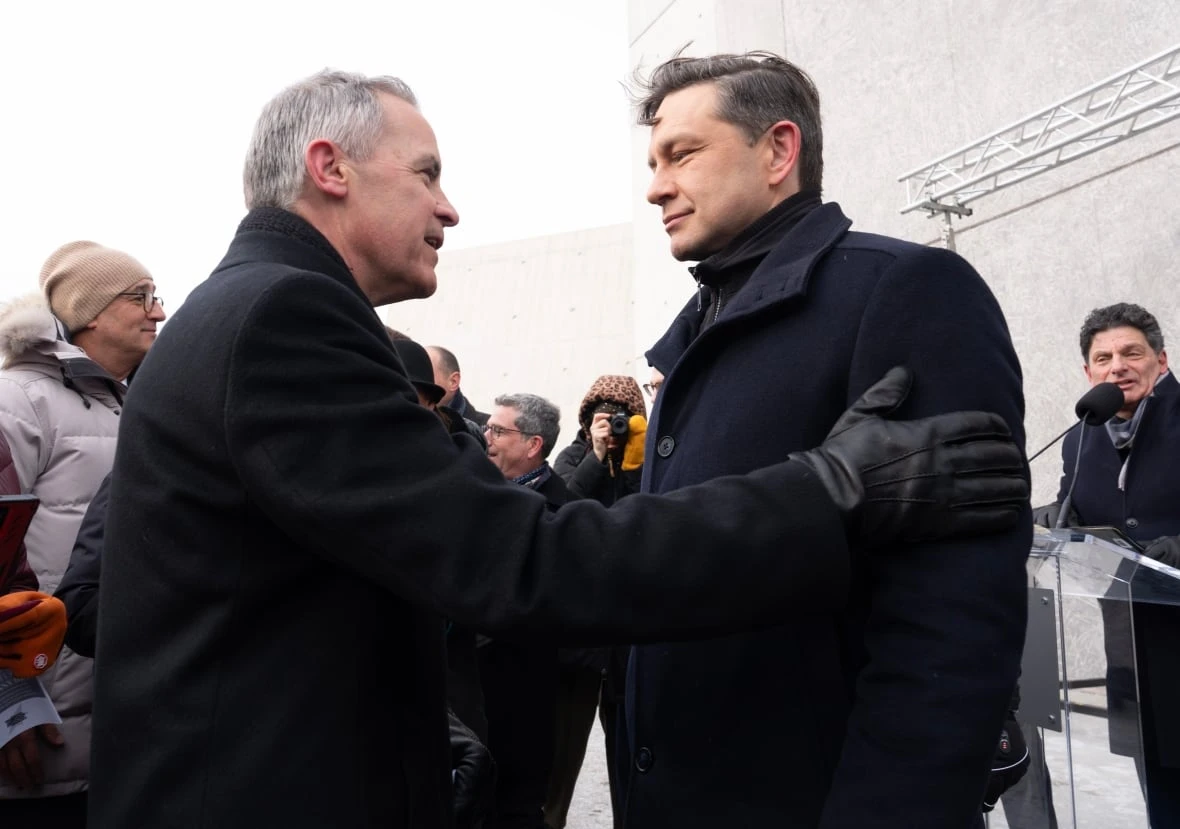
(60, 413)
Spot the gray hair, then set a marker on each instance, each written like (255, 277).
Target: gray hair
(754, 91)
(342, 107)
(535, 416)
(1119, 315)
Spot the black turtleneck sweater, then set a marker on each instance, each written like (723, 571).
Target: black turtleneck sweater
(726, 272)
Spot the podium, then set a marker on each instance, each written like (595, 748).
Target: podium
(1100, 686)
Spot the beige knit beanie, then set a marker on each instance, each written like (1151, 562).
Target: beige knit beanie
(80, 279)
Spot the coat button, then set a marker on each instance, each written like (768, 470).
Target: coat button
(665, 446)
(644, 759)
(1132, 523)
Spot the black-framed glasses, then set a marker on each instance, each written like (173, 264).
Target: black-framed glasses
(148, 298)
(498, 431)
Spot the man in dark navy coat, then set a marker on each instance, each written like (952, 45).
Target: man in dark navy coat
(885, 711)
(1128, 477)
(288, 527)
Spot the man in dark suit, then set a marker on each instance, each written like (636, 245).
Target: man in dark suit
(288, 527)
(520, 678)
(884, 711)
(448, 376)
(1127, 477)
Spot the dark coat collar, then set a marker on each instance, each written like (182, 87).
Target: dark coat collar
(783, 274)
(268, 234)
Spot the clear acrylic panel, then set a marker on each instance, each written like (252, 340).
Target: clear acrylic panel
(1100, 617)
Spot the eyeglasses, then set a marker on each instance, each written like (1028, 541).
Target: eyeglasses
(148, 298)
(652, 389)
(498, 431)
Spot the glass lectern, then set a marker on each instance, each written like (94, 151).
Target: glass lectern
(1100, 682)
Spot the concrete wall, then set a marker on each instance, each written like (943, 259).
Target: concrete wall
(903, 83)
(545, 316)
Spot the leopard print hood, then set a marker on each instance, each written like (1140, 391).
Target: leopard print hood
(620, 389)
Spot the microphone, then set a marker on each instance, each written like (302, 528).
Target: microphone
(1095, 407)
(1099, 404)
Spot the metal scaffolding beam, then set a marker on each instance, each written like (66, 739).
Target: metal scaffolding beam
(1133, 101)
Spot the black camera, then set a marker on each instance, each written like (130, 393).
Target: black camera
(620, 424)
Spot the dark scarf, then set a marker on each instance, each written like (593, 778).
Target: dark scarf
(724, 273)
(534, 479)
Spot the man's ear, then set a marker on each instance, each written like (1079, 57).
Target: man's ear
(535, 445)
(1163, 361)
(1086, 369)
(326, 167)
(786, 142)
(453, 381)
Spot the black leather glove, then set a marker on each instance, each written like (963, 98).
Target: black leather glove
(917, 480)
(1165, 549)
(1009, 764)
(473, 774)
(1047, 516)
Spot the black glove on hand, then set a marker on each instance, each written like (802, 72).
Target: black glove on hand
(1165, 549)
(473, 774)
(917, 480)
(1047, 516)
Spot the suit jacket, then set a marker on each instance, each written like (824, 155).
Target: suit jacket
(282, 545)
(884, 712)
(1145, 509)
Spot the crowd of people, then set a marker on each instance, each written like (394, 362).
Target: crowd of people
(309, 584)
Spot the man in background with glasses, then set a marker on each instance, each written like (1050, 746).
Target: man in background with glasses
(67, 354)
(520, 680)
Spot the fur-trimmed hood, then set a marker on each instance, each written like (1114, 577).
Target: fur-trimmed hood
(27, 325)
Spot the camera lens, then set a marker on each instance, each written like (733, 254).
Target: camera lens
(620, 424)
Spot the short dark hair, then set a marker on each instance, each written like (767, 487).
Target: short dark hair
(755, 90)
(535, 416)
(1119, 315)
(448, 360)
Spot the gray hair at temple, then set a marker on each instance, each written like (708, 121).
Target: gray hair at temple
(536, 416)
(343, 107)
(755, 90)
(1121, 315)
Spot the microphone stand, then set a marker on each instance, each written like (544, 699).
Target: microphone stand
(1064, 514)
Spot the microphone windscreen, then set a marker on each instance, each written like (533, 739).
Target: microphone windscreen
(1099, 404)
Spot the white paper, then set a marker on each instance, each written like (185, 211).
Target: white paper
(23, 704)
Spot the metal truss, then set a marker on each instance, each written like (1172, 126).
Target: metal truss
(1124, 105)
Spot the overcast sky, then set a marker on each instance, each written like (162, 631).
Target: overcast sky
(127, 122)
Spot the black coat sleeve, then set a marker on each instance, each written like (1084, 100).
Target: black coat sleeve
(945, 621)
(79, 586)
(569, 458)
(328, 443)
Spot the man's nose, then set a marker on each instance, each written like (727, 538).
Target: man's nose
(660, 189)
(446, 211)
(157, 312)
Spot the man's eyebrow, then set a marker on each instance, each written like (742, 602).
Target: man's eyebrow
(666, 142)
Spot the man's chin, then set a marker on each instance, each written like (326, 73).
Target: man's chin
(689, 251)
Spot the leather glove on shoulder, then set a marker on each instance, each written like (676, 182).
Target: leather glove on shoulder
(1166, 550)
(473, 774)
(917, 480)
(633, 451)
